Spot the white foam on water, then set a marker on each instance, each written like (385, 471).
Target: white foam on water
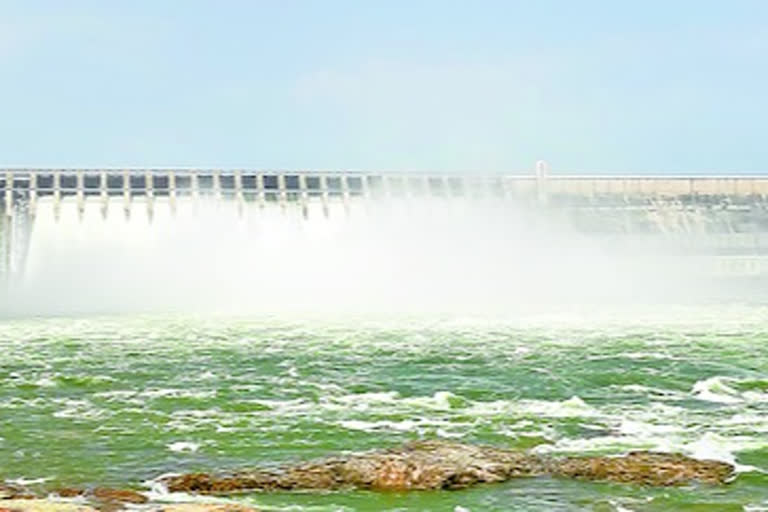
(708, 446)
(436, 408)
(28, 481)
(441, 400)
(640, 428)
(46, 382)
(636, 356)
(756, 423)
(184, 447)
(415, 425)
(81, 410)
(722, 390)
(715, 389)
(22, 403)
(445, 434)
(121, 395)
(604, 444)
(177, 393)
(156, 486)
(571, 408)
(653, 392)
(716, 447)
(383, 397)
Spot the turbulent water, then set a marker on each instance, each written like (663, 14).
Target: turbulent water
(119, 401)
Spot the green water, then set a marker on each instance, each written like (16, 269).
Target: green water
(119, 401)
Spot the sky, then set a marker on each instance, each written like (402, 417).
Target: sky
(488, 85)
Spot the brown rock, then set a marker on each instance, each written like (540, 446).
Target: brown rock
(203, 483)
(10, 492)
(442, 465)
(119, 495)
(648, 468)
(68, 492)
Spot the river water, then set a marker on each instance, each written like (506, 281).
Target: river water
(121, 400)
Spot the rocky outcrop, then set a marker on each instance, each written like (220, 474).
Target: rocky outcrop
(420, 465)
(646, 468)
(106, 499)
(10, 492)
(99, 498)
(103, 494)
(442, 465)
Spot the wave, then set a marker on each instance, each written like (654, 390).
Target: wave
(728, 390)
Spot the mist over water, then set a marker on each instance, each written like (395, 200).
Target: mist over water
(423, 255)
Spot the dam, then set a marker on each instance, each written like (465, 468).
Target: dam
(724, 218)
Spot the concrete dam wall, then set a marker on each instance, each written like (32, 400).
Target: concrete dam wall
(724, 217)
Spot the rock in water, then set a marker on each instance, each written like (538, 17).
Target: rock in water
(648, 468)
(8, 492)
(68, 492)
(443, 465)
(118, 495)
(414, 466)
(106, 499)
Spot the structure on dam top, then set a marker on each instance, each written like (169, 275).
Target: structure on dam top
(732, 209)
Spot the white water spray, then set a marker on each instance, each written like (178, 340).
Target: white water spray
(398, 256)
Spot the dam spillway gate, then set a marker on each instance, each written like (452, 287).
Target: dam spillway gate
(726, 215)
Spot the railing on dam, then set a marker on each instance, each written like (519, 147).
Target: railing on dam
(30, 185)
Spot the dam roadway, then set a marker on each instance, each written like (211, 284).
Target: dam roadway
(722, 216)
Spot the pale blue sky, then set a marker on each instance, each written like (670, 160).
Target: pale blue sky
(632, 86)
